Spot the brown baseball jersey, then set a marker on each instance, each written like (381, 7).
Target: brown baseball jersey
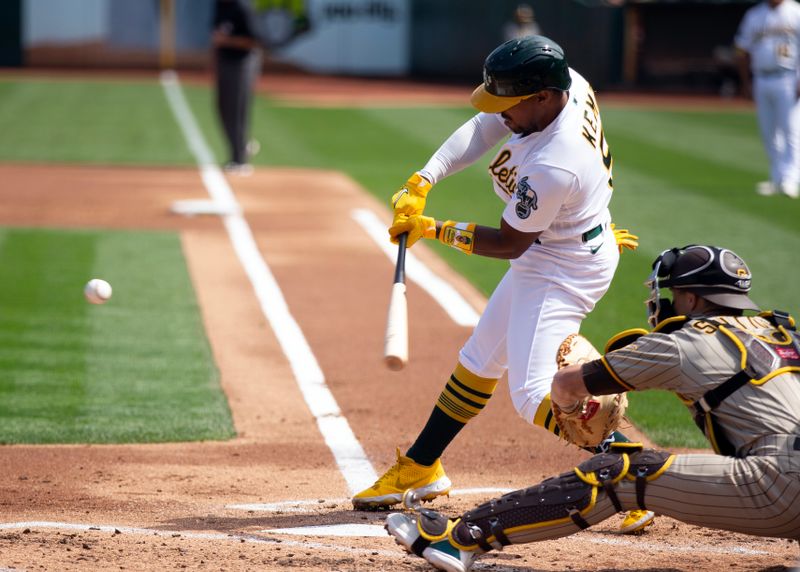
(755, 486)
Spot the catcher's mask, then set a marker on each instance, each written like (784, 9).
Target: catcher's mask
(716, 274)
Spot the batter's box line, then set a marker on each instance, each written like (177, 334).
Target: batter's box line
(72, 527)
(305, 504)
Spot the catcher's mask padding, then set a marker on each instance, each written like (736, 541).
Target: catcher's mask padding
(569, 499)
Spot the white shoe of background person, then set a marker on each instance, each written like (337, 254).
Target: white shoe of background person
(253, 147)
(765, 188)
(790, 190)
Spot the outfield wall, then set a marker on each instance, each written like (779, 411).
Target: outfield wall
(614, 43)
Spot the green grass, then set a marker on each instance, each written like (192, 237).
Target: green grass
(123, 123)
(137, 369)
(680, 177)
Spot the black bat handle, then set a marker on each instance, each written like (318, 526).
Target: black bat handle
(400, 268)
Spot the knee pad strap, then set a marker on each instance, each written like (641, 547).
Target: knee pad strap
(647, 465)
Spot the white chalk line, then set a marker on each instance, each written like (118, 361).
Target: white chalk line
(459, 310)
(305, 505)
(367, 530)
(347, 451)
(241, 538)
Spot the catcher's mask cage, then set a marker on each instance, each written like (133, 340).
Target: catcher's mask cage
(716, 274)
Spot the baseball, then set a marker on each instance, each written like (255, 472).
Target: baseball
(97, 291)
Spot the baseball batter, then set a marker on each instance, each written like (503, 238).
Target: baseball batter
(738, 375)
(768, 41)
(554, 174)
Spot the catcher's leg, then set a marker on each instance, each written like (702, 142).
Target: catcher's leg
(635, 521)
(558, 506)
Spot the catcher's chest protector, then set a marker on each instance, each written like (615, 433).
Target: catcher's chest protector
(763, 357)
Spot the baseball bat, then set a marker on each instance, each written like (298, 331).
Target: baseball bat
(395, 349)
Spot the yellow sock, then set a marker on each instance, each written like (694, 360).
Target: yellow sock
(544, 416)
(465, 394)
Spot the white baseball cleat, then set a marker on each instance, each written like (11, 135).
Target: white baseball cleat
(790, 190)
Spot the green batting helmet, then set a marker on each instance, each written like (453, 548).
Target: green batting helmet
(518, 69)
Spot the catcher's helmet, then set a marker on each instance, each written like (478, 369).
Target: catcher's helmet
(716, 274)
(518, 69)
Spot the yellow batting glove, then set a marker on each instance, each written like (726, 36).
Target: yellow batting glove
(624, 238)
(417, 226)
(410, 199)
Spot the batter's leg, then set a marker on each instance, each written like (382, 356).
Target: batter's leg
(419, 474)
(548, 304)
(481, 363)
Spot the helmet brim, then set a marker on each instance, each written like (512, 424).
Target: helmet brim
(722, 297)
(729, 300)
(484, 101)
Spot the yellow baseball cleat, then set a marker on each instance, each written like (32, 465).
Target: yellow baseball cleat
(636, 521)
(425, 483)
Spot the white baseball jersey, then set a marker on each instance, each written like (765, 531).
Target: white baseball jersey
(557, 181)
(772, 38)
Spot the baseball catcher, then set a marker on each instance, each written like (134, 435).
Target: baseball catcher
(728, 368)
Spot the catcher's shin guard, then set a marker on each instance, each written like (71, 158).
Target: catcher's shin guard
(560, 505)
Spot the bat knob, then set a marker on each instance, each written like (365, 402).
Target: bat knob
(394, 363)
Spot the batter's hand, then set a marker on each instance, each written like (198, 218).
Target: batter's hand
(624, 238)
(410, 199)
(417, 226)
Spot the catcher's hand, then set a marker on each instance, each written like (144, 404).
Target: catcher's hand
(591, 420)
(624, 238)
(410, 199)
(417, 226)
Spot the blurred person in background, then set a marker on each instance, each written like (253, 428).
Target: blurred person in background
(767, 44)
(237, 43)
(523, 24)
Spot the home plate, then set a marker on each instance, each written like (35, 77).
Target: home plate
(332, 530)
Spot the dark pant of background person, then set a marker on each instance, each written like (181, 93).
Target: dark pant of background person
(236, 77)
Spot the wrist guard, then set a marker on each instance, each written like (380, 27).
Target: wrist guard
(458, 235)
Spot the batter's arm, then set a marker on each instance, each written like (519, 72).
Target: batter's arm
(505, 242)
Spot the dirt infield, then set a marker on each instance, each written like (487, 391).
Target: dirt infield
(171, 506)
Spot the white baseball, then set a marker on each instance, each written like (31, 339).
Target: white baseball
(97, 291)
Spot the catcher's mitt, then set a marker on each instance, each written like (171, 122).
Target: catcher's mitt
(594, 418)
